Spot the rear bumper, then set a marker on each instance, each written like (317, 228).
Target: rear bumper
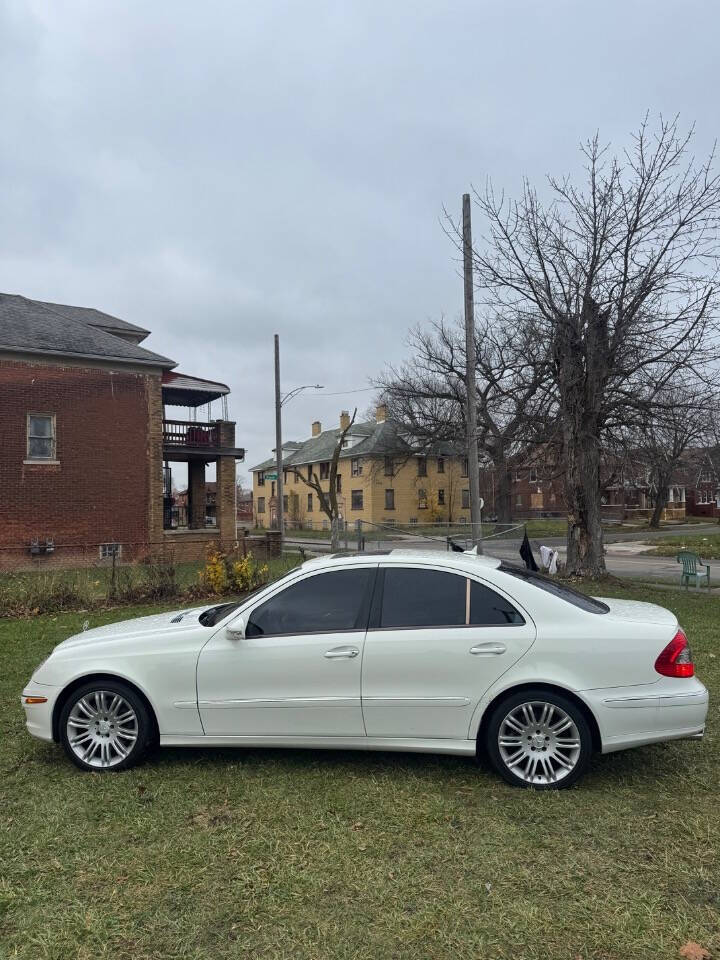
(652, 713)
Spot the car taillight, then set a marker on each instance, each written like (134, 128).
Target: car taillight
(676, 659)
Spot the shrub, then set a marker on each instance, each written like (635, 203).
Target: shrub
(223, 573)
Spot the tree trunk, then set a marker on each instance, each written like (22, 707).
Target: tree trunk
(660, 502)
(503, 495)
(585, 548)
(334, 538)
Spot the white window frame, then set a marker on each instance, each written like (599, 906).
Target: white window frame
(53, 437)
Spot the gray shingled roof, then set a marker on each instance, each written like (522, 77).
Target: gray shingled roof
(96, 318)
(31, 326)
(379, 439)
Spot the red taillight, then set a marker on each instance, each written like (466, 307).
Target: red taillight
(676, 659)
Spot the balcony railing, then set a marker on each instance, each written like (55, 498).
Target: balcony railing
(188, 433)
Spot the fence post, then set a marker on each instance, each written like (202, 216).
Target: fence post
(358, 531)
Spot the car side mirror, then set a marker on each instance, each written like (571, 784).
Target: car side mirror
(236, 629)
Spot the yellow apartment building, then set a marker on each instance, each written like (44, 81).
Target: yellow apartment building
(380, 480)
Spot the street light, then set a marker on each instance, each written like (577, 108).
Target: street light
(279, 401)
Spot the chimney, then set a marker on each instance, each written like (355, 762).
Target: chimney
(316, 428)
(381, 413)
(344, 419)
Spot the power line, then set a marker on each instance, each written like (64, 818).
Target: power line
(341, 393)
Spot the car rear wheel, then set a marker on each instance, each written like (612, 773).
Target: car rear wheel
(540, 739)
(104, 725)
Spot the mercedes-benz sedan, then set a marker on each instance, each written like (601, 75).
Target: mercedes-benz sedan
(444, 653)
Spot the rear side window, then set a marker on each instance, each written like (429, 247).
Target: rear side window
(326, 603)
(422, 598)
(488, 608)
(560, 590)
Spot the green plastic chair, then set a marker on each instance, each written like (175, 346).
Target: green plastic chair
(690, 562)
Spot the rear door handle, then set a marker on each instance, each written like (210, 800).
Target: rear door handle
(488, 649)
(337, 653)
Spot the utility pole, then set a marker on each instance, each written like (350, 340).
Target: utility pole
(470, 360)
(278, 444)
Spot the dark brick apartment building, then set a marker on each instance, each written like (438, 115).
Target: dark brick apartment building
(87, 444)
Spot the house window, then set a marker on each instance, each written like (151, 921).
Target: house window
(390, 499)
(441, 497)
(261, 478)
(533, 476)
(272, 489)
(388, 466)
(285, 476)
(356, 467)
(324, 470)
(465, 503)
(422, 466)
(413, 520)
(441, 464)
(338, 483)
(41, 436)
(108, 550)
(518, 501)
(285, 503)
(310, 505)
(464, 467)
(422, 499)
(356, 499)
(309, 471)
(261, 504)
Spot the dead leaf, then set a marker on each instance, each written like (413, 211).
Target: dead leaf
(693, 951)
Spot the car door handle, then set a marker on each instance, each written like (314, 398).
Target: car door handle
(488, 649)
(336, 653)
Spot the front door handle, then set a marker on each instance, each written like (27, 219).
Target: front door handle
(488, 649)
(337, 653)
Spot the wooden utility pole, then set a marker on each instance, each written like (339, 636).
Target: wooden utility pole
(278, 444)
(470, 390)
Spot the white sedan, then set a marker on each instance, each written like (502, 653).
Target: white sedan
(443, 653)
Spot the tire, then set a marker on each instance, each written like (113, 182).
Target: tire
(105, 726)
(538, 738)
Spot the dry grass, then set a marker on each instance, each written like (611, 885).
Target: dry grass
(240, 854)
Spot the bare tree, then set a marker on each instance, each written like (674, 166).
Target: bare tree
(328, 498)
(619, 279)
(426, 395)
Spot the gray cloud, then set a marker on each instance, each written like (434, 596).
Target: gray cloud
(220, 172)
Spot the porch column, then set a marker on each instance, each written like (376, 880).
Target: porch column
(196, 494)
(225, 475)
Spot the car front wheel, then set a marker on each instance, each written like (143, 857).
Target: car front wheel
(104, 725)
(540, 739)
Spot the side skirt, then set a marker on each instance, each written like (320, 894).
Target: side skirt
(464, 747)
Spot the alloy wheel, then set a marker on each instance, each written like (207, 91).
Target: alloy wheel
(539, 742)
(102, 728)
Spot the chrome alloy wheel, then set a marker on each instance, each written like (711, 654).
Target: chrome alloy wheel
(102, 728)
(539, 742)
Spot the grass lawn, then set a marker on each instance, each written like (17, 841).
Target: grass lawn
(217, 853)
(707, 546)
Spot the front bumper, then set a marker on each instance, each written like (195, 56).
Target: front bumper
(38, 716)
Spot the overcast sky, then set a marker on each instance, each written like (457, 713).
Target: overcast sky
(221, 171)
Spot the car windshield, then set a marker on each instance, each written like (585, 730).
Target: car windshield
(561, 590)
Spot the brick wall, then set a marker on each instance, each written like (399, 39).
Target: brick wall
(109, 461)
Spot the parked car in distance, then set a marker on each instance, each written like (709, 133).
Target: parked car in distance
(407, 651)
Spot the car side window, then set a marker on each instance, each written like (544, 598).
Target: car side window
(324, 603)
(488, 608)
(423, 598)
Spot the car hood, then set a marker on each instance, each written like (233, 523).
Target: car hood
(638, 611)
(139, 626)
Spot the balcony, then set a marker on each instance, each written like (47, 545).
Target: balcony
(188, 439)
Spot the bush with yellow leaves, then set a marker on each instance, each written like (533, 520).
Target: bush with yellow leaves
(223, 573)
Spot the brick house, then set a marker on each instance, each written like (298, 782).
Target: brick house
(87, 443)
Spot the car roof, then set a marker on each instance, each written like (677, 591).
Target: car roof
(453, 561)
